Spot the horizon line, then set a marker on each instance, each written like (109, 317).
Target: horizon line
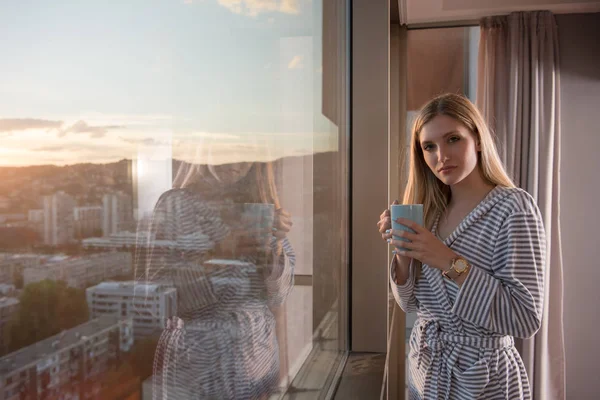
(172, 159)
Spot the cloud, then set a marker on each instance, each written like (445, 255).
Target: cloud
(252, 8)
(146, 141)
(212, 135)
(69, 153)
(296, 63)
(49, 148)
(122, 119)
(22, 124)
(289, 7)
(9, 125)
(83, 127)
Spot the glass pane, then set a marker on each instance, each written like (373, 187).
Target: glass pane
(173, 199)
(439, 60)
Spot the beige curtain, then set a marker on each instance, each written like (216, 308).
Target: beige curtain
(518, 93)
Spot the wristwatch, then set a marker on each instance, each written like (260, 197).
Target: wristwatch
(458, 266)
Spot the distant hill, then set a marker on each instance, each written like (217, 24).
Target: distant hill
(24, 187)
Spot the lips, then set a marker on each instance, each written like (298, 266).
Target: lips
(446, 169)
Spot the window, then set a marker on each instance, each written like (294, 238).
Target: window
(440, 60)
(138, 134)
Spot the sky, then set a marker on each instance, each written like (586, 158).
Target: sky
(99, 81)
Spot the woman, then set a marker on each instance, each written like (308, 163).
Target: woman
(229, 271)
(474, 274)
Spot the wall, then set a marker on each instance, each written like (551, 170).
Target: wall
(580, 99)
(396, 346)
(370, 119)
(427, 11)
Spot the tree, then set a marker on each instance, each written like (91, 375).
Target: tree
(46, 308)
(141, 357)
(18, 278)
(122, 278)
(120, 383)
(125, 378)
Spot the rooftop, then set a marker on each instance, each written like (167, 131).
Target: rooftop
(128, 287)
(36, 352)
(8, 301)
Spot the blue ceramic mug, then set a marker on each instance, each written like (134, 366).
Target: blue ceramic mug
(414, 212)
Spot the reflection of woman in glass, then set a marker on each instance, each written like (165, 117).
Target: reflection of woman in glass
(220, 239)
(475, 273)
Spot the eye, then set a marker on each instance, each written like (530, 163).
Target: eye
(428, 147)
(453, 139)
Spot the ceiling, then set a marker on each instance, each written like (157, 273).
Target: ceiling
(434, 11)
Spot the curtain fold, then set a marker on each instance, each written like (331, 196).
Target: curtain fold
(518, 93)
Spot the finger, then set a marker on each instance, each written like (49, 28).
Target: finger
(401, 243)
(395, 202)
(385, 221)
(284, 215)
(410, 224)
(404, 234)
(384, 214)
(279, 235)
(383, 230)
(406, 253)
(286, 222)
(384, 227)
(283, 228)
(279, 223)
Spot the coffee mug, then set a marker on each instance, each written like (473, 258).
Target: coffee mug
(259, 216)
(413, 212)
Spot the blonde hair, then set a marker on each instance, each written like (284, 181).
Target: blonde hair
(423, 186)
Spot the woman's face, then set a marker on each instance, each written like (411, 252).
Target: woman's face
(449, 148)
(229, 174)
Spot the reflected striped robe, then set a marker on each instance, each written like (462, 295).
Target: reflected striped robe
(222, 344)
(462, 345)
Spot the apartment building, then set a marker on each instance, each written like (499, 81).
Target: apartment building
(8, 306)
(68, 365)
(147, 305)
(81, 271)
(12, 265)
(87, 221)
(117, 214)
(58, 219)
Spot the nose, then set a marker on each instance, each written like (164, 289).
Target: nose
(442, 155)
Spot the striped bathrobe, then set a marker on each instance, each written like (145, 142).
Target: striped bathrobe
(222, 344)
(462, 345)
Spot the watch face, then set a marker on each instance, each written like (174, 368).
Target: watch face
(460, 265)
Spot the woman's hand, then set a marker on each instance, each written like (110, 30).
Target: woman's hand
(282, 223)
(401, 263)
(423, 246)
(385, 223)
